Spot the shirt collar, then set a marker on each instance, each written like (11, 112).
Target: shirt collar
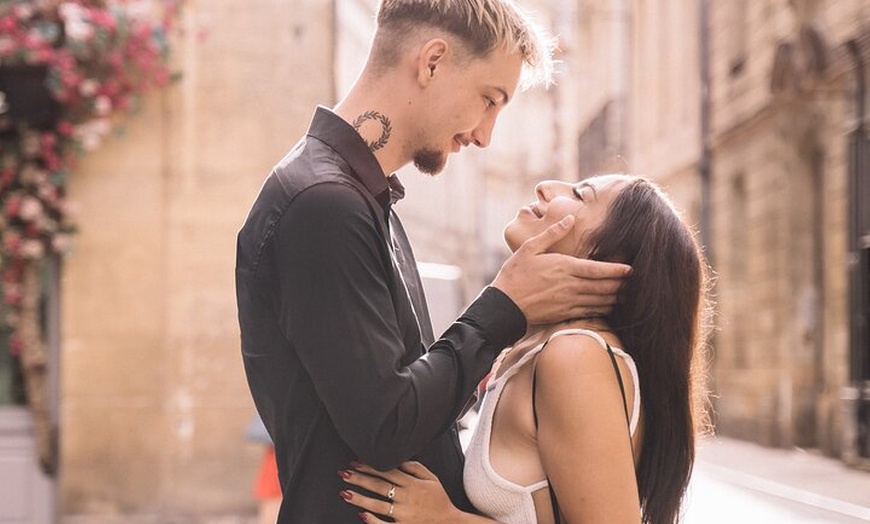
(331, 129)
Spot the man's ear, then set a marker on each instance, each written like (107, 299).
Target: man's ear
(432, 56)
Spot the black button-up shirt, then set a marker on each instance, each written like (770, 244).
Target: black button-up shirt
(336, 336)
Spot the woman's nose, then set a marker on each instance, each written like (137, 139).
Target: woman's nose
(542, 191)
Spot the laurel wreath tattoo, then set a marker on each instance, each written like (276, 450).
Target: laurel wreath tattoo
(387, 128)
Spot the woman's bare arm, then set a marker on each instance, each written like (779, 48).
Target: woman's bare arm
(583, 437)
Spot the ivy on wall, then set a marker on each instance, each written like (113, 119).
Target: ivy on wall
(66, 69)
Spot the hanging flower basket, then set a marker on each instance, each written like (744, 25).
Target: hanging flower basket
(26, 96)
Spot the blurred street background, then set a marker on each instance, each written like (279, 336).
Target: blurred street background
(122, 393)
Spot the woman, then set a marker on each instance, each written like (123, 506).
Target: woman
(573, 428)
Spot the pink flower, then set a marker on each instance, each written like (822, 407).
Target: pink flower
(15, 345)
(32, 249)
(31, 208)
(89, 87)
(103, 105)
(7, 177)
(102, 18)
(65, 128)
(12, 242)
(79, 31)
(52, 161)
(13, 206)
(7, 45)
(61, 243)
(11, 294)
(8, 24)
(23, 11)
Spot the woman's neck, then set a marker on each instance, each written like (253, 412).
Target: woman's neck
(540, 332)
(537, 334)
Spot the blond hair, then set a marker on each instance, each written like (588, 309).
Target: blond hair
(482, 26)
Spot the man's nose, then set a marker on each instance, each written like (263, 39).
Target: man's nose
(482, 134)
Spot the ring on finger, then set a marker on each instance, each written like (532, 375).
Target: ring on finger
(390, 513)
(392, 492)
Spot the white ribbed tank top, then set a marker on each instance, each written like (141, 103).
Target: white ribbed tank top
(492, 494)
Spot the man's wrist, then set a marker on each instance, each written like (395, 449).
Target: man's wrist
(498, 315)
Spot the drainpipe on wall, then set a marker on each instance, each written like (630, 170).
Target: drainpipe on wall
(855, 397)
(704, 167)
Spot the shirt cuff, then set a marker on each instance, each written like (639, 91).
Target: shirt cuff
(501, 320)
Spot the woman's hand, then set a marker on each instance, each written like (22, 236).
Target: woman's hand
(411, 494)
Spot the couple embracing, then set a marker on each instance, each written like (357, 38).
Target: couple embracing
(590, 332)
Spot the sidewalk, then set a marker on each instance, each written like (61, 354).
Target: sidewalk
(796, 475)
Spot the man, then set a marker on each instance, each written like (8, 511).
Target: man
(336, 337)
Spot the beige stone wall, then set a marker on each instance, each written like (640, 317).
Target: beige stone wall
(154, 400)
(779, 224)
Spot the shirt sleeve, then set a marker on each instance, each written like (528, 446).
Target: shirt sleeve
(335, 308)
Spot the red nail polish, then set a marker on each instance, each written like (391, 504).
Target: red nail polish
(346, 495)
(362, 517)
(343, 473)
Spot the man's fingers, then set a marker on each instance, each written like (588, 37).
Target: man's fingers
(591, 311)
(540, 242)
(598, 270)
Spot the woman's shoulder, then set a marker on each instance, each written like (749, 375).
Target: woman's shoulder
(576, 360)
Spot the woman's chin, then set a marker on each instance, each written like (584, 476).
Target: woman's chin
(510, 238)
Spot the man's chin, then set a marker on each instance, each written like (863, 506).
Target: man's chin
(430, 162)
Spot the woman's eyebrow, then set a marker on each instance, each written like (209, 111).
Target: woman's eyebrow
(581, 185)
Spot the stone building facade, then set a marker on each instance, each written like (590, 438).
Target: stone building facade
(784, 104)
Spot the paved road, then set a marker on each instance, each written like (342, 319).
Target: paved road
(740, 482)
(718, 496)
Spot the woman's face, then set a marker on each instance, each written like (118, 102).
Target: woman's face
(589, 202)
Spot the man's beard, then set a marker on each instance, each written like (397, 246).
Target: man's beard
(430, 161)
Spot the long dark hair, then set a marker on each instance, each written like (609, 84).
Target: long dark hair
(659, 317)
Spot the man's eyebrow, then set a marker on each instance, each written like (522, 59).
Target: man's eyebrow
(504, 94)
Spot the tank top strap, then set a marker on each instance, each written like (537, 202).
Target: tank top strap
(580, 331)
(530, 355)
(518, 365)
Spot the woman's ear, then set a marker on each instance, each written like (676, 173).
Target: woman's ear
(432, 57)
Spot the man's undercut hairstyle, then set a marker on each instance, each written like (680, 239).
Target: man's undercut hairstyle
(481, 26)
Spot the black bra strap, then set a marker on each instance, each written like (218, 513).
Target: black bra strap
(553, 500)
(621, 385)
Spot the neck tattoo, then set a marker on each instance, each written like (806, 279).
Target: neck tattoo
(386, 128)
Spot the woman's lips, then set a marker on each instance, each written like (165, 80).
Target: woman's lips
(531, 208)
